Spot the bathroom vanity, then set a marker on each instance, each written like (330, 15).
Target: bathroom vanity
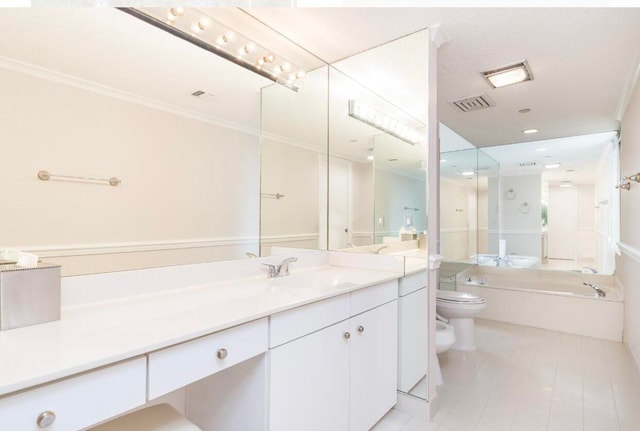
(315, 350)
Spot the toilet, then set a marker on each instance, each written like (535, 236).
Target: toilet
(460, 308)
(445, 338)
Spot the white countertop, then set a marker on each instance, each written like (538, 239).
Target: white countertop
(91, 336)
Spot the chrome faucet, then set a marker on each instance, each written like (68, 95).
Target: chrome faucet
(498, 260)
(599, 291)
(378, 250)
(281, 269)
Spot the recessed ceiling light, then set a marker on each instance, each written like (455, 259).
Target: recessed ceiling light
(540, 150)
(509, 74)
(530, 131)
(552, 165)
(524, 111)
(370, 157)
(467, 173)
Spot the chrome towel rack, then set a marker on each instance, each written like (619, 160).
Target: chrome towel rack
(272, 195)
(45, 176)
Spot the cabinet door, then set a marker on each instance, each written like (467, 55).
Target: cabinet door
(413, 343)
(309, 387)
(374, 365)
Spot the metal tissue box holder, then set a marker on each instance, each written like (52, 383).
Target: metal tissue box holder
(29, 295)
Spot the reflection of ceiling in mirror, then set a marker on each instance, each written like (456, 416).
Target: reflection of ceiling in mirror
(396, 71)
(578, 157)
(77, 46)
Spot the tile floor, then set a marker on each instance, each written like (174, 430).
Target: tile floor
(529, 379)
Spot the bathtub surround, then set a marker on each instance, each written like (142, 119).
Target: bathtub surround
(557, 301)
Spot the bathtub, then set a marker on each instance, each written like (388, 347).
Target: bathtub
(548, 299)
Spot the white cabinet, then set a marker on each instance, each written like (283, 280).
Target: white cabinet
(374, 365)
(413, 330)
(77, 402)
(413, 335)
(309, 387)
(342, 377)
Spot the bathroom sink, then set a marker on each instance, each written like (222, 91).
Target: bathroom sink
(315, 280)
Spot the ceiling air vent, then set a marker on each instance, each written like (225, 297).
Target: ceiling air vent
(528, 164)
(474, 103)
(201, 95)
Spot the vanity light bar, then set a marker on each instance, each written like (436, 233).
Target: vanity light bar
(383, 122)
(203, 31)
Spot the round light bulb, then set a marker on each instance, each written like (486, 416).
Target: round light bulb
(285, 67)
(269, 58)
(171, 17)
(177, 11)
(300, 74)
(205, 22)
(195, 27)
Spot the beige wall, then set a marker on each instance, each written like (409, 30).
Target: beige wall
(294, 172)
(628, 265)
(182, 179)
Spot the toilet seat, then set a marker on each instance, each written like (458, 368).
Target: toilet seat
(455, 297)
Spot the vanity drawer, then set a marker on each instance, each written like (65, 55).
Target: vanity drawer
(177, 366)
(371, 297)
(77, 402)
(291, 324)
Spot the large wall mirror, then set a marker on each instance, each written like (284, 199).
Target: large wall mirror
(377, 176)
(542, 204)
(176, 125)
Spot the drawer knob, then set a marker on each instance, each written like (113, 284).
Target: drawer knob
(346, 335)
(361, 329)
(222, 353)
(45, 419)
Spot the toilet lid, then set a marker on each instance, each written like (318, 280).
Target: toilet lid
(455, 296)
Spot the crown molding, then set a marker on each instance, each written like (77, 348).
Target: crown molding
(72, 81)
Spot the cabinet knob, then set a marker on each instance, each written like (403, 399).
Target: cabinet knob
(346, 335)
(361, 329)
(222, 353)
(45, 419)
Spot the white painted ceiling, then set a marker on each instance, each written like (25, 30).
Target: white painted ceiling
(583, 61)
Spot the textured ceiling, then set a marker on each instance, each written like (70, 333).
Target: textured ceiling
(583, 60)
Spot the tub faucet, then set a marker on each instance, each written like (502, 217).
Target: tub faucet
(281, 269)
(498, 260)
(378, 250)
(599, 291)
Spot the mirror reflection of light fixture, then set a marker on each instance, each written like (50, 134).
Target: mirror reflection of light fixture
(383, 122)
(205, 32)
(509, 74)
